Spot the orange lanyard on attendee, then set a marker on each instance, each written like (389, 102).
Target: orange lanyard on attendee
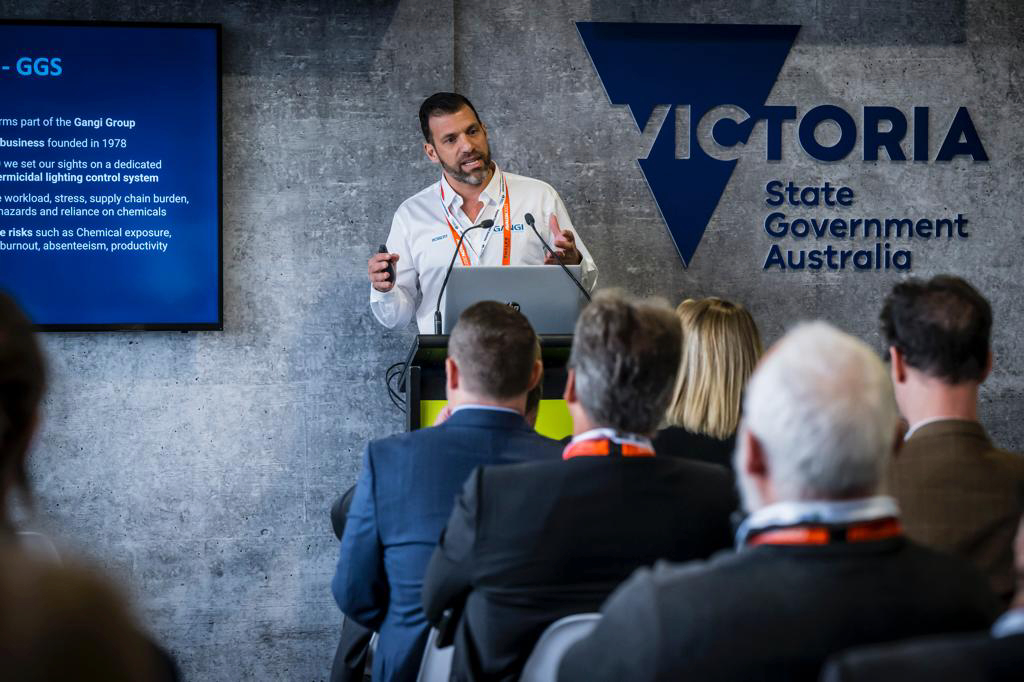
(605, 447)
(506, 215)
(868, 531)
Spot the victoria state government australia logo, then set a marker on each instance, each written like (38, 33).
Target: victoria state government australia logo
(696, 68)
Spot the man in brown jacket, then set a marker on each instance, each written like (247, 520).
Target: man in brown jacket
(958, 492)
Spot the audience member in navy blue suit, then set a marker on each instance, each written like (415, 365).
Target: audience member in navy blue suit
(409, 482)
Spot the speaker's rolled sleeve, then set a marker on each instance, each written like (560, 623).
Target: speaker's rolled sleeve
(396, 308)
(588, 266)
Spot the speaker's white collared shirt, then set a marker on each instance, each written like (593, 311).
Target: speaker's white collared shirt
(420, 235)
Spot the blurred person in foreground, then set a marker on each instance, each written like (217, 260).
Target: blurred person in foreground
(721, 346)
(61, 623)
(993, 656)
(409, 481)
(958, 492)
(22, 384)
(822, 562)
(56, 622)
(531, 543)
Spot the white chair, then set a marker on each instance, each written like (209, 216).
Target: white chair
(542, 665)
(436, 665)
(371, 652)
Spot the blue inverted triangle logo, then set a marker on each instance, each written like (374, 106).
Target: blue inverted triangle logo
(700, 65)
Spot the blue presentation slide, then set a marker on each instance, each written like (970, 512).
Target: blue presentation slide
(110, 174)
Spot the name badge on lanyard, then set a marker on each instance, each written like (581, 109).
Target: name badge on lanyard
(506, 215)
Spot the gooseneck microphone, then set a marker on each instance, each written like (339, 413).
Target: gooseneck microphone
(486, 225)
(530, 222)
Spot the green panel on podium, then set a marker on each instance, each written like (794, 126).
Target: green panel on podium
(553, 419)
(424, 383)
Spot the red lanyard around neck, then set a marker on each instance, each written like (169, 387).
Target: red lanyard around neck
(506, 215)
(605, 447)
(867, 531)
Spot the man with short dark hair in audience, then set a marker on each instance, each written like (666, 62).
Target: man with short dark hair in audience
(994, 656)
(957, 491)
(822, 563)
(530, 414)
(531, 543)
(408, 481)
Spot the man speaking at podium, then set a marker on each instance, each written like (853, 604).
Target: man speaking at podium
(472, 189)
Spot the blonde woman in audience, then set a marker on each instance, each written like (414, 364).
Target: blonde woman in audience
(721, 346)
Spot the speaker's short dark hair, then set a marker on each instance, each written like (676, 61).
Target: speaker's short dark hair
(22, 382)
(495, 348)
(441, 103)
(941, 326)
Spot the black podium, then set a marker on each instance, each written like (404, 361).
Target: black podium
(424, 373)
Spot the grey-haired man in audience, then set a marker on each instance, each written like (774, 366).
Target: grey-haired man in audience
(822, 563)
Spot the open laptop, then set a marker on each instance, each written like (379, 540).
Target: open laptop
(543, 293)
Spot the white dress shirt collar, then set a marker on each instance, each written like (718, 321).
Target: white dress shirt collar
(925, 422)
(496, 408)
(489, 196)
(615, 436)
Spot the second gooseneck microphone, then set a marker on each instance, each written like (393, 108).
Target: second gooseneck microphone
(533, 226)
(486, 225)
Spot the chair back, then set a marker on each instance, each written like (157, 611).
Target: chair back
(436, 665)
(542, 665)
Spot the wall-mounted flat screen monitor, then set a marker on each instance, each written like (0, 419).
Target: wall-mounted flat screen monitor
(110, 174)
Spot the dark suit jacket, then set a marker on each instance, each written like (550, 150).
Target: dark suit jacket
(965, 658)
(776, 612)
(402, 500)
(958, 493)
(678, 442)
(532, 543)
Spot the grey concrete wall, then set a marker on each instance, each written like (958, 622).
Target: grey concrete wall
(197, 468)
